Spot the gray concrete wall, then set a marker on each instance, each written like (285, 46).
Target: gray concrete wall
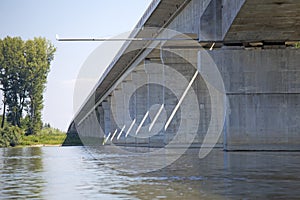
(262, 86)
(209, 20)
(93, 133)
(191, 14)
(144, 91)
(263, 92)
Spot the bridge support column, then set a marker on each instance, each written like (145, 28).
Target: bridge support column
(263, 92)
(106, 117)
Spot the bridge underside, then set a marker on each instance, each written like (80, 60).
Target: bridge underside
(251, 44)
(271, 20)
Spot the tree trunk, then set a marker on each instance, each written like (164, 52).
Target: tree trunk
(3, 114)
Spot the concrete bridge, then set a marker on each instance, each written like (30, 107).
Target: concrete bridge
(245, 96)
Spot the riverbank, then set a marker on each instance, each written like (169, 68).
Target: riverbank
(43, 145)
(16, 137)
(47, 137)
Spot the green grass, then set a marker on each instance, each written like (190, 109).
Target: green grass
(47, 136)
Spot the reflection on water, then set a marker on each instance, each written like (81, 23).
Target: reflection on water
(21, 168)
(71, 172)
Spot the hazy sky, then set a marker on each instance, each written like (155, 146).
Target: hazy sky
(67, 18)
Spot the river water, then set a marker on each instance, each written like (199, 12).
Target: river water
(74, 173)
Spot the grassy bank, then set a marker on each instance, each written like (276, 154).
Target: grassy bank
(47, 136)
(12, 136)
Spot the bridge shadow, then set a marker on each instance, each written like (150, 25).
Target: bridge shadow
(72, 138)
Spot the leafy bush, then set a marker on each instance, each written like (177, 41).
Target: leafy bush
(10, 136)
(47, 136)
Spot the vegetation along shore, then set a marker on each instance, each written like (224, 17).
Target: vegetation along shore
(24, 67)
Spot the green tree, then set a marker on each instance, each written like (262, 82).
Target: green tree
(10, 65)
(2, 82)
(24, 67)
(39, 54)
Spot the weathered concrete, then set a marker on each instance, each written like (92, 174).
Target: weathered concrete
(263, 93)
(260, 73)
(266, 20)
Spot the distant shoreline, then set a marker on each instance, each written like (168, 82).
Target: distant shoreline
(43, 145)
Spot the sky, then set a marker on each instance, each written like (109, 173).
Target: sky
(70, 18)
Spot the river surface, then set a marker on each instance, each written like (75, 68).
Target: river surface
(74, 173)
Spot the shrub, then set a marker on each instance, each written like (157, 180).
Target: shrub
(10, 136)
